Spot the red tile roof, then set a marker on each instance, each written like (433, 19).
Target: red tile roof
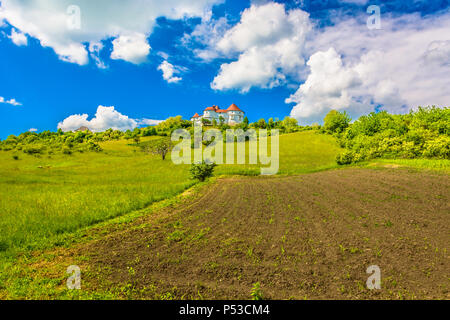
(196, 116)
(234, 107)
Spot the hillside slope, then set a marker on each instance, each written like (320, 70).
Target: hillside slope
(301, 237)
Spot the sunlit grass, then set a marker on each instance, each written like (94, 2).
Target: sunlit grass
(43, 196)
(48, 195)
(433, 164)
(302, 152)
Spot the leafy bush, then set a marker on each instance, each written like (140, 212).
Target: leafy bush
(93, 146)
(67, 151)
(202, 171)
(336, 122)
(421, 133)
(437, 148)
(37, 143)
(346, 157)
(33, 149)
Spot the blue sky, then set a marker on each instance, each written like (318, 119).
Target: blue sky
(314, 56)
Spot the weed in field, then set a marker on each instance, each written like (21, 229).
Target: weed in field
(256, 292)
(131, 271)
(388, 223)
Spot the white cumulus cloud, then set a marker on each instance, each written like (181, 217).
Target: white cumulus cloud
(168, 71)
(269, 42)
(104, 119)
(132, 47)
(349, 67)
(328, 86)
(398, 68)
(55, 23)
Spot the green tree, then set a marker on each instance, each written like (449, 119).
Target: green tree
(336, 122)
(203, 170)
(161, 147)
(289, 124)
(261, 124)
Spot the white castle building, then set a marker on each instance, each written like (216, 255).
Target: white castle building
(231, 116)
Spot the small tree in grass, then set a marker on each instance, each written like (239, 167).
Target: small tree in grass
(161, 147)
(203, 170)
(336, 122)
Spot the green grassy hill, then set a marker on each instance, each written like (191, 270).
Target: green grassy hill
(44, 196)
(58, 210)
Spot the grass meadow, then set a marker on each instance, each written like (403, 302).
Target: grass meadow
(44, 196)
(47, 196)
(49, 201)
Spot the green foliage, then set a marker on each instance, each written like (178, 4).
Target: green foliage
(288, 125)
(171, 124)
(336, 122)
(37, 144)
(256, 292)
(160, 147)
(261, 124)
(202, 171)
(33, 149)
(424, 133)
(346, 157)
(66, 151)
(206, 122)
(93, 146)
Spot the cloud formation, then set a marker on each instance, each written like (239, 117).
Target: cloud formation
(12, 101)
(67, 26)
(269, 42)
(18, 38)
(104, 119)
(349, 67)
(168, 71)
(398, 68)
(149, 122)
(132, 47)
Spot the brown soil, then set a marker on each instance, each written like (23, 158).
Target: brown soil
(311, 236)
